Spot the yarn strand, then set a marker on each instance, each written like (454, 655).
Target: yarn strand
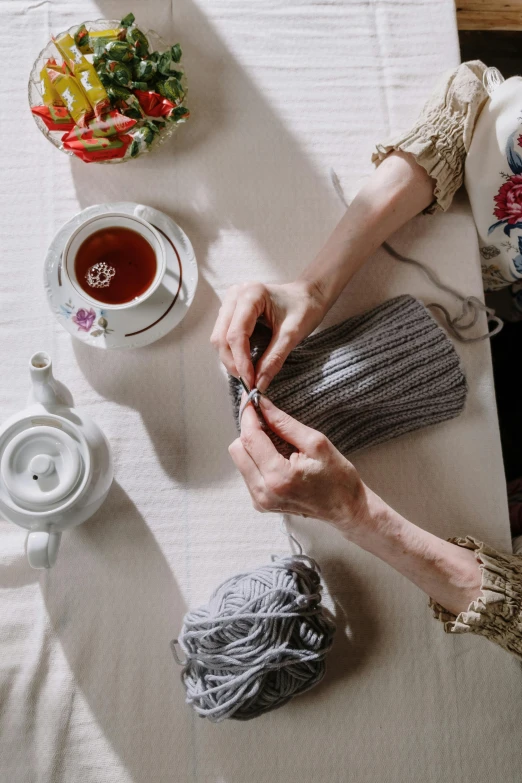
(471, 306)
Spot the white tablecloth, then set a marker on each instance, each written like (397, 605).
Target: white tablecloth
(280, 92)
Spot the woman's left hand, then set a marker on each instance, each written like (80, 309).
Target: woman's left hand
(316, 481)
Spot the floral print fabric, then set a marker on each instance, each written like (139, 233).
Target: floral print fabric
(464, 134)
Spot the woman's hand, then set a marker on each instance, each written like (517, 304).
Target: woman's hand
(316, 481)
(291, 310)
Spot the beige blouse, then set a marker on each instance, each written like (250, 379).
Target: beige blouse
(497, 613)
(441, 137)
(439, 141)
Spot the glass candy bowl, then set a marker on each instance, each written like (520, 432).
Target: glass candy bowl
(34, 90)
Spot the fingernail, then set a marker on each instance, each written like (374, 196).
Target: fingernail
(262, 384)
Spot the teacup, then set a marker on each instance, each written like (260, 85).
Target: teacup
(132, 265)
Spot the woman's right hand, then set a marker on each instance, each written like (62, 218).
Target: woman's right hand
(291, 310)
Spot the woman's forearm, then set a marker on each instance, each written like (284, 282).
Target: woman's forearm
(397, 191)
(447, 573)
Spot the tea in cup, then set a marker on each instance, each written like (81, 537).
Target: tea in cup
(115, 261)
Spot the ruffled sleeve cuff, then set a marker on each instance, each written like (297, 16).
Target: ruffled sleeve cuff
(496, 614)
(440, 139)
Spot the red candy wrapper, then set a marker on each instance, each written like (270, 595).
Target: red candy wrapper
(95, 149)
(111, 124)
(153, 104)
(56, 118)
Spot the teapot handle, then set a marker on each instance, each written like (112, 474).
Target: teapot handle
(42, 548)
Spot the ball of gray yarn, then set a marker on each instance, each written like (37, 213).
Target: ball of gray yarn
(261, 639)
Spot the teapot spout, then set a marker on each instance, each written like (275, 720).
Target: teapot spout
(45, 388)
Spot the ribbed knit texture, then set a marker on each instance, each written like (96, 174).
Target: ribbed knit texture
(369, 379)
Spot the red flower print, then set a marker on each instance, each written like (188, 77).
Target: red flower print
(509, 200)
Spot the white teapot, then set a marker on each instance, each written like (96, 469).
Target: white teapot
(55, 465)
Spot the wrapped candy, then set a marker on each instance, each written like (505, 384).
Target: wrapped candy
(69, 51)
(93, 87)
(145, 70)
(84, 72)
(167, 66)
(172, 89)
(138, 40)
(105, 79)
(121, 73)
(112, 124)
(56, 118)
(91, 149)
(176, 52)
(50, 95)
(180, 114)
(128, 20)
(81, 39)
(104, 35)
(119, 50)
(72, 96)
(143, 138)
(153, 104)
(124, 100)
(135, 112)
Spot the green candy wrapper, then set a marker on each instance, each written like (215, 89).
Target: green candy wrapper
(137, 39)
(119, 50)
(145, 70)
(120, 73)
(172, 89)
(128, 20)
(81, 39)
(125, 101)
(134, 112)
(118, 93)
(104, 77)
(143, 138)
(167, 65)
(179, 114)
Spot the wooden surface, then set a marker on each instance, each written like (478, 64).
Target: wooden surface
(489, 14)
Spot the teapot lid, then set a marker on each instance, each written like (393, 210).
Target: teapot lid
(44, 461)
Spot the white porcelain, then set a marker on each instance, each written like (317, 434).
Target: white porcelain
(55, 465)
(109, 220)
(132, 327)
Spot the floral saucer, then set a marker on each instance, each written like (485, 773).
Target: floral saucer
(131, 327)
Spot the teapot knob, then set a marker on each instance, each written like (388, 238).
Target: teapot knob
(41, 465)
(42, 548)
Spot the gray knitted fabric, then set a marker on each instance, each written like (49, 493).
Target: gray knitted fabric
(369, 379)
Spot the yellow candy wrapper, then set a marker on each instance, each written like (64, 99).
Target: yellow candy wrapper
(84, 72)
(92, 86)
(69, 51)
(72, 96)
(50, 96)
(106, 35)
